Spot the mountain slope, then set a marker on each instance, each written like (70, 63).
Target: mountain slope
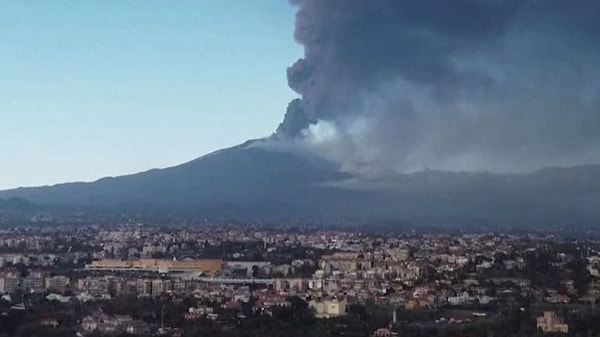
(243, 175)
(248, 181)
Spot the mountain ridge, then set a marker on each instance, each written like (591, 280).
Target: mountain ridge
(254, 182)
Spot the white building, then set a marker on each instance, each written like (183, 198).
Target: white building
(328, 308)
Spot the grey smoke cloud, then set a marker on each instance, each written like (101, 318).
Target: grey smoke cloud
(402, 85)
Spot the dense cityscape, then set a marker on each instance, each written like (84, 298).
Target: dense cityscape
(248, 280)
(300, 168)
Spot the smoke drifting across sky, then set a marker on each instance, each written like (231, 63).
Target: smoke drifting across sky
(403, 85)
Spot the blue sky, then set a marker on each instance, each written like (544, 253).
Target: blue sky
(102, 88)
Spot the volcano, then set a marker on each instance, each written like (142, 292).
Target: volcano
(250, 181)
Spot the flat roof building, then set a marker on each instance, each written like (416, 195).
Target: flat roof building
(159, 265)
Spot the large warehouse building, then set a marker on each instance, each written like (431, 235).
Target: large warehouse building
(159, 265)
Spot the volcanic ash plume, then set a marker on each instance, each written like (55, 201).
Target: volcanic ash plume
(403, 85)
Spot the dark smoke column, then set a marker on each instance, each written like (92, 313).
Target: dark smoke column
(474, 85)
(295, 120)
(352, 45)
(297, 116)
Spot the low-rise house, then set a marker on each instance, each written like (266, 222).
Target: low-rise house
(551, 323)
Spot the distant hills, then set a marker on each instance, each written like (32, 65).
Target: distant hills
(16, 204)
(251, 182)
